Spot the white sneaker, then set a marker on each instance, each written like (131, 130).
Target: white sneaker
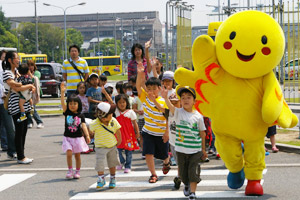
(29, 126)
(40, 125)
(25, 161)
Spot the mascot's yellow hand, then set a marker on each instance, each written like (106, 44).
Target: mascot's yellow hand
(286, 118)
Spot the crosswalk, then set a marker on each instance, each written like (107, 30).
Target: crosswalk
(163, 189)
(9, 180)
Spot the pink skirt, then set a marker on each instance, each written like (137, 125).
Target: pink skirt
(76, 145)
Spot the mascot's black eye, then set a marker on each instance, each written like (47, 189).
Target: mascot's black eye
(264, 39)
(232, 35)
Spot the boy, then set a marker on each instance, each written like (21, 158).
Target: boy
(106, 128)
(190, 138)
(102, 80)
(94, 94)
(25, 79)
(155, 136)
(132, 81)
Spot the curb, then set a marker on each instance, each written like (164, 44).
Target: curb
(285, 147)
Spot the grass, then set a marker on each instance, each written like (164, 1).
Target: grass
(50, 111)
(296, 143)
(48, 104)
(118, 77)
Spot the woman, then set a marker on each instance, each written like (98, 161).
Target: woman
(138, 55)
(10, 65)
(36, 96)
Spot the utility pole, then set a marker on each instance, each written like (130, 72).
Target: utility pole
(98, 33)
(115, 34)
(36, 29)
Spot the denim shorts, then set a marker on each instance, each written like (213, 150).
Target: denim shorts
(154, 145)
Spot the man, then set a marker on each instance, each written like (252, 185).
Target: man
(77, 73)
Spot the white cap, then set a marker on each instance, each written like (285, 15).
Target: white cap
(106, 108)
(168, 75)
(108, 85)
(93, 74)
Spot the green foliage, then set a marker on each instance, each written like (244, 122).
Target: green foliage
(107, 46)
(7, 39)
(74, 37)
(4, 21)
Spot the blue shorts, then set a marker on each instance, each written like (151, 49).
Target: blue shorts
(154, 145)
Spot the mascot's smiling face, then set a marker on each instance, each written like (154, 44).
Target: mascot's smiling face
(249, 44)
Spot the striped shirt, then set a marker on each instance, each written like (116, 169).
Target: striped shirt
(188, 127)
(13, 102)
(155, 122)
(73, 78)
(103, 138)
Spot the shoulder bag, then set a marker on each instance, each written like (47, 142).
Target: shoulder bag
(81, 75)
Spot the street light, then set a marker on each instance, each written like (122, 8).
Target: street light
(65, 19)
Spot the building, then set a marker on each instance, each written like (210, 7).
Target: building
(137, 26)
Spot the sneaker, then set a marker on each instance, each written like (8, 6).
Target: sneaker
(112, 183)
(177, 183)
(173, 162)
(77, 174)
(22, 118)
(127, 170)
(13, 157)
(30, 125)
(119, 167)
(192, 196)
(69, 174)
(40, 125)
(25, 161)
(186, 190)
(100, 183)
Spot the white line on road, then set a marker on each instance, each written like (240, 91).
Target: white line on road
(203, 183)
(159, 195)
(8, 180)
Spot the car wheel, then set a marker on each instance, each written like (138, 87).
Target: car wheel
(57, 93)
(107, 73)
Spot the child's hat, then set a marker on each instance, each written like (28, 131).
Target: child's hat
(106, 109)
(168, 75)
(93, 74)
(108, 85)
(173, 97)
(186, 89)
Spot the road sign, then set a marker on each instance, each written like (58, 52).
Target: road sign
(99, 54)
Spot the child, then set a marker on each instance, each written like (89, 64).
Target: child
(119, 87)
(168, 82)
(190, 139)
(155, 136)
(127, 119)
(81, 93)
(94, 94)
(102, 80)
(132, 81)
(73, 141)
(107, 138)
(271, 134)
(127, 88)
(25, 79)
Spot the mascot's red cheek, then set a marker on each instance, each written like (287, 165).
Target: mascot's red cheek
(266, 51)
(227, 45)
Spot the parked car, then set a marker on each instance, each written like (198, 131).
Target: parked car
(289, 70)
(51, 77)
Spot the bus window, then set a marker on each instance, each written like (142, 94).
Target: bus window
(111, 61)
(92, 62)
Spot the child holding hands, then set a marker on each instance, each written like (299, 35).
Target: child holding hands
(190, 138)
(73, 141)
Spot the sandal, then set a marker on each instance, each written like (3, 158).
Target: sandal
(153, 179)
(166, 168)
(275, 150)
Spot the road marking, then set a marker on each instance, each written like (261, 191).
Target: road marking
(159, 195)
(8, 180)
(203, 183)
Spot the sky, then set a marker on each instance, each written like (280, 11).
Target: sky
(14, 8)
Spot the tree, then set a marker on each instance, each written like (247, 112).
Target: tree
(7, 39)
(74, 37)
(107, 47)
(4, 21)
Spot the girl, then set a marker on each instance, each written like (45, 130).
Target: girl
(73, 141)
(81, 91)
(127, 119)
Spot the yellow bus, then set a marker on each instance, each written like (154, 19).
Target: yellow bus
(37, 58)
(110, 65)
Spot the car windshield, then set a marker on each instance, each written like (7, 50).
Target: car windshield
(45, 70)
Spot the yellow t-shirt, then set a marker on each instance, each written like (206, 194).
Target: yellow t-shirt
(155, 122)
(103, 138)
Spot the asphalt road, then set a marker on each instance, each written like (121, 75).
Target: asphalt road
(45, 177)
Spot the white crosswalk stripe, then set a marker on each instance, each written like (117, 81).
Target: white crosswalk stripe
(213, 178)
(8, 180)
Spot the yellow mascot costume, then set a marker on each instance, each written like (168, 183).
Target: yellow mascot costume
(237, 89)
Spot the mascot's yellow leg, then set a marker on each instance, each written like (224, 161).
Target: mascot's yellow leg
(230, 150)
(254, 155)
